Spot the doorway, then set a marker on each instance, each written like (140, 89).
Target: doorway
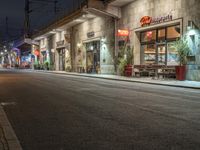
(61, 61)
(93, 57)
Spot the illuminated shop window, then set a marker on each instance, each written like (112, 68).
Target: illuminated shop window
(161, 35)
(157, 46)
(173, 32)
(149, 53)
(149, 36)
(161, 49)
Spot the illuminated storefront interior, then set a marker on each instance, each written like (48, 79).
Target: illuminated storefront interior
(157, 45)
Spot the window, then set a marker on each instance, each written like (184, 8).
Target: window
(149, 53)
(161, 54)
(172, 55)
(161, 35)
(157, 46)
(173, 32)
(149, 36)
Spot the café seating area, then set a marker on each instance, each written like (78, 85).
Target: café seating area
(154, 71)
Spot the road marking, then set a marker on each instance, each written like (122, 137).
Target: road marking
(8, 132)
(7, 103)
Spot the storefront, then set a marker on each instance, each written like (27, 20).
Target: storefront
(155, 25)
(157, 45)
(93, 57)
(44, 56)
(36, 54)
(93, 45)
(15, 55)
(61, 51)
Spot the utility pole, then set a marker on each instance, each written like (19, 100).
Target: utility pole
(28, 11)
(55, 6)
(7, 27)
(27, 17)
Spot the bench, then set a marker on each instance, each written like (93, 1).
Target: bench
(167, 72)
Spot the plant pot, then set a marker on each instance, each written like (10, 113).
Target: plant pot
(128, 70)
(180, 72)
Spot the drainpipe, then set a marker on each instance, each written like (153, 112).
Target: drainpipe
(116, 44)
(72, 49)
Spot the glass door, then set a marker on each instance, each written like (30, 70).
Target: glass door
(93, 56)
(62, 59)
(161, 54)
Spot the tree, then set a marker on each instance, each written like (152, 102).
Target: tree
(183, 50)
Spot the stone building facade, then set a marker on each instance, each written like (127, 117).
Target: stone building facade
(94, 46)
(88, 41)
(184, 15)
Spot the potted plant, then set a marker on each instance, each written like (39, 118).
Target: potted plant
(46, 65)
(125, 59)
(129, 57)
(122, 65)
(183, 51)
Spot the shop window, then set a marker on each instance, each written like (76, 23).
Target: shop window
(149, 53)
(161, 35)
(173, 32)
(148, 36)
(172, 55)
(161, 54)
(157, 46)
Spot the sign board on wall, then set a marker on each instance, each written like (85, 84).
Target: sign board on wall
(43, 49)
(36, 52)
(147, 20)
(123, 33)
(90, 34)
(60, 43)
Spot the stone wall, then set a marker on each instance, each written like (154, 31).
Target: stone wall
(193, 37)
(103, 30)
(188, 10)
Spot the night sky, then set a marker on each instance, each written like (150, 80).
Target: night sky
(42, 14)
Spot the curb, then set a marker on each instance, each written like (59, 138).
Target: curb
(114, 79)
(3, 141)
(8, 138)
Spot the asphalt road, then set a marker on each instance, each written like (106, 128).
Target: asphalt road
(59, 112)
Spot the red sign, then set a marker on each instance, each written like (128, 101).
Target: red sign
(123, 33)
(146, 20)
(36, 52)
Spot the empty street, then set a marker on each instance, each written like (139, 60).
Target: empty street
(65, 112)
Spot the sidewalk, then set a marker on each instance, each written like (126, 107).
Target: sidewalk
(146, 80)
(3, 142)
(8, 138)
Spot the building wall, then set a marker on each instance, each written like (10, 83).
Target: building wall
(61, 36)
(132, 13)
(188, 10)
(68, 60)
(193, 72)
(103, 31)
